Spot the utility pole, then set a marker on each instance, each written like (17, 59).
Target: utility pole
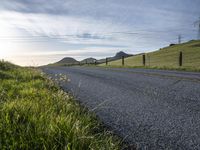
(179, 38)
(197, 24)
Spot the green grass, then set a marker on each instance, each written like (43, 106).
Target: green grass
(36, 114)
(167, 57)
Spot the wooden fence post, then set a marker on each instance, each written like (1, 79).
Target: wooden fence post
(144, 59)
(106, 61)
(180, 59)
(122, 60)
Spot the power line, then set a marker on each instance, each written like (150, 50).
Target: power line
(55, 36)
(153, 34)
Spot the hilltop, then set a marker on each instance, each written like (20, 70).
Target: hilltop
(116, 57)
(119, 55)
(65, 62)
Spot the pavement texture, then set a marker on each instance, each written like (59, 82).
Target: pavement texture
(151, 109)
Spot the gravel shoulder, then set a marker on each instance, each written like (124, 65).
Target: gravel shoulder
(153, 109)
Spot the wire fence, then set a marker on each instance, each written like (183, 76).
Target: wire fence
(178, 59)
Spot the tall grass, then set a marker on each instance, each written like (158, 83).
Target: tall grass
(36, 114)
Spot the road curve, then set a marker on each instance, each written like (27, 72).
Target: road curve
(152, 109)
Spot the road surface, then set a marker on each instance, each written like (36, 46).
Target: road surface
(152, 109)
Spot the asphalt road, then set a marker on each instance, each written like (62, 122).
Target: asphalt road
(152, 109)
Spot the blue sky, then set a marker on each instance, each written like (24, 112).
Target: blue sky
(43, 31)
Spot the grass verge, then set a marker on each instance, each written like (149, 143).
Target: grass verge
(157, 68)
(36, 114)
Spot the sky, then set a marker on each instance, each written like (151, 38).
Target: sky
(38, 32)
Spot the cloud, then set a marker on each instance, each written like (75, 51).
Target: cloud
(106, 25)
(48, 25)
(90, 36)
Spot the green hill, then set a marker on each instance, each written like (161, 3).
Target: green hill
(117, 56)
(88, 60)
(167, 57)
(65, 62)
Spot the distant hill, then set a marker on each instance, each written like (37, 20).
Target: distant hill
(119, 55)
(88, 60)
(66, 61)
(116, 57)
(71, 61)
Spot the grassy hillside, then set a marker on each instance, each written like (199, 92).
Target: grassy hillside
(36, 114)
(167, 57)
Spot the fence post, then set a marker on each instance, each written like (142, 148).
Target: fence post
(122, 60)
(106, 61)
(180, 59)
(144, 59)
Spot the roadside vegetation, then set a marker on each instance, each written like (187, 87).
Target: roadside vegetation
(166, 58)
(36, 114)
